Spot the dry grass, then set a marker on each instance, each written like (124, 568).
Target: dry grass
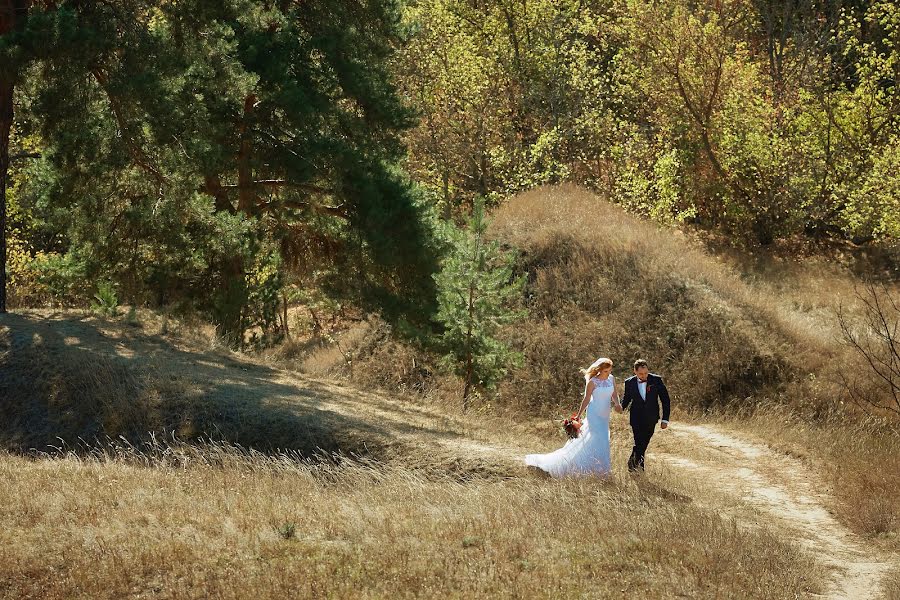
(778, 318)
(604, 282)
(333, 355)
(440, 506)
(754, 339)
(66, 377)
(272, 527)
(437, 505)
(892, 586)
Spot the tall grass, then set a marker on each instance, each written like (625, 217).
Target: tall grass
(240, 525)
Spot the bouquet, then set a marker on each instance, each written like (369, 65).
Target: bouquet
(572, 426)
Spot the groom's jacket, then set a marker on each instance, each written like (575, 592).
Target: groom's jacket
(646, 412)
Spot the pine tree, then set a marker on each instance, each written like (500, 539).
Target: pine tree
(190, 136)
(476, 291)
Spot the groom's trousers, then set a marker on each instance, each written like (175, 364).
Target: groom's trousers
(642, 435)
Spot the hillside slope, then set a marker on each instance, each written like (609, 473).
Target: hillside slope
(73, 379)
(603, 282)
(431, 506)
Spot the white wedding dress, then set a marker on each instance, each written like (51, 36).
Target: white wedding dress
(588, 454)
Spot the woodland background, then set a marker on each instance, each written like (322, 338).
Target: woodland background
(231, 156)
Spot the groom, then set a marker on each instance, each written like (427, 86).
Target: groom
(644, 392)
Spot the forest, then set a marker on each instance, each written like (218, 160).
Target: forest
(235, 157)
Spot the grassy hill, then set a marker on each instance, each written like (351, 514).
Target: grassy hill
(728, 330)
(262, 479)
(371, 495)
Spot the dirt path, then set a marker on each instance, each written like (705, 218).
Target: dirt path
(781, 489)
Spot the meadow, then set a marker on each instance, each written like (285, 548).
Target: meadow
(291, 473)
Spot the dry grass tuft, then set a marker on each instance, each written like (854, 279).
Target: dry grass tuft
(332, 357)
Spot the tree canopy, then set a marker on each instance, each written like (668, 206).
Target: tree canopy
(187, 143)
(217, 153)
(758, 119)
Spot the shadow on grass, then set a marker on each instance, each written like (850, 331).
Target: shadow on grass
(66, 378)
(652, 489)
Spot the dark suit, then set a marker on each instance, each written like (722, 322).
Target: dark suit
(644, 414)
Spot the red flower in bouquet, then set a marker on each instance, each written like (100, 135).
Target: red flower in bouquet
(572, 426)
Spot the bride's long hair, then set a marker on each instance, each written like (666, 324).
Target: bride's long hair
(595, 368)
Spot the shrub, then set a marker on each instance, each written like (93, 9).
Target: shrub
(106, 299)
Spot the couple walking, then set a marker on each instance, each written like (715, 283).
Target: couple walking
(589, 452)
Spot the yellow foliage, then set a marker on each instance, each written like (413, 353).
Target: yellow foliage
(22, 276)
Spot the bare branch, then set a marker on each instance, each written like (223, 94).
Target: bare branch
(878, 345)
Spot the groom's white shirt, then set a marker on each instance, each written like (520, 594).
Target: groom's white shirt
(642, 389)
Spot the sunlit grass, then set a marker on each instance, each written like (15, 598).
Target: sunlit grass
(220, 522)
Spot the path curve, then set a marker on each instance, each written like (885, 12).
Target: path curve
(785, 490)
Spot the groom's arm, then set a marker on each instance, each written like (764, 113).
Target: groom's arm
(664, 398)
(626, 397)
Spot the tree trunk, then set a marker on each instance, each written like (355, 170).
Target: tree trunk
(232, 295)
(232, 298)
(246, 191)
(6, 117)
(468, 389)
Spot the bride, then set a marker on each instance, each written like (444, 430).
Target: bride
(589, 452)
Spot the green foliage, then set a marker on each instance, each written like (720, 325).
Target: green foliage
(21, 274)
(64, 277)
(508, 94)
(264, 284)
(286, 530)
(225, 150)
(476, 290)
(864, 113)
(759, 120)
(215, 140)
